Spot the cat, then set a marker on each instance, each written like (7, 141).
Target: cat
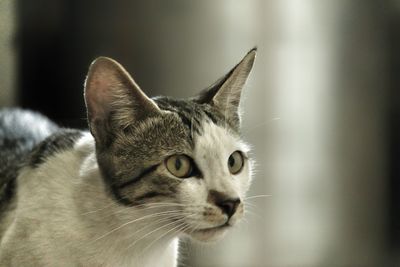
(147, 172)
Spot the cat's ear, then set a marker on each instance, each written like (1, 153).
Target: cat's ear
(226, 92)
(113, 100)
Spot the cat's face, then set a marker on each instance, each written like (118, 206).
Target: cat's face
(183, 157)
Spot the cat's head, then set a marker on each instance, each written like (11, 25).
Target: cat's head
(184, 156)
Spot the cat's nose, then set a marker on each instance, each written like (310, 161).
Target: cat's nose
(229, 206)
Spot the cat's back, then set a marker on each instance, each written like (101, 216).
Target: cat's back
(20, 131)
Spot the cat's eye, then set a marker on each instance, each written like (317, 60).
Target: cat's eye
(235, 162)
(180, 166)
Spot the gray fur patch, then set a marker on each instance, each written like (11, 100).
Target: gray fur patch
(20, 131)
(59, 141)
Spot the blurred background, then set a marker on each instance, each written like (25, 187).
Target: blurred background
(321, 109)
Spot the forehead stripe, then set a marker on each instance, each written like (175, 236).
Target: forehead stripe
(211, 116)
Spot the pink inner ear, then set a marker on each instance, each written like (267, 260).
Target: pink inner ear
(97, 94)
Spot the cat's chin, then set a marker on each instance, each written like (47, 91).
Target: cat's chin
(210, 234)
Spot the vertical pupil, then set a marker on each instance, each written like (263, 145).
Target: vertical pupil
(231, 161)
(178, 163)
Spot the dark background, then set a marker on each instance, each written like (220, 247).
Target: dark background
(178, 47)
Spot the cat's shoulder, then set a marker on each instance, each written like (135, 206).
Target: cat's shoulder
(20, 131)
(59, 141)
(29, 138)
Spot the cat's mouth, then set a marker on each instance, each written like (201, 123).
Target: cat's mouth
(212, 233)
(217, 228)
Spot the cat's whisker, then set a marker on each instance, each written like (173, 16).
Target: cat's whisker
(257, 196)
(153, 207)
(140, 207)
(155, 230)
(166, 218)
(253, 208)
(136, 220)
(261, 125)
(195, 228)
(193, 207)
(160, 203)
(107, 206)
(250, 212)
(164, 206)
(249, 204)
(249, 208)
(175, 230)
(172, 232)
